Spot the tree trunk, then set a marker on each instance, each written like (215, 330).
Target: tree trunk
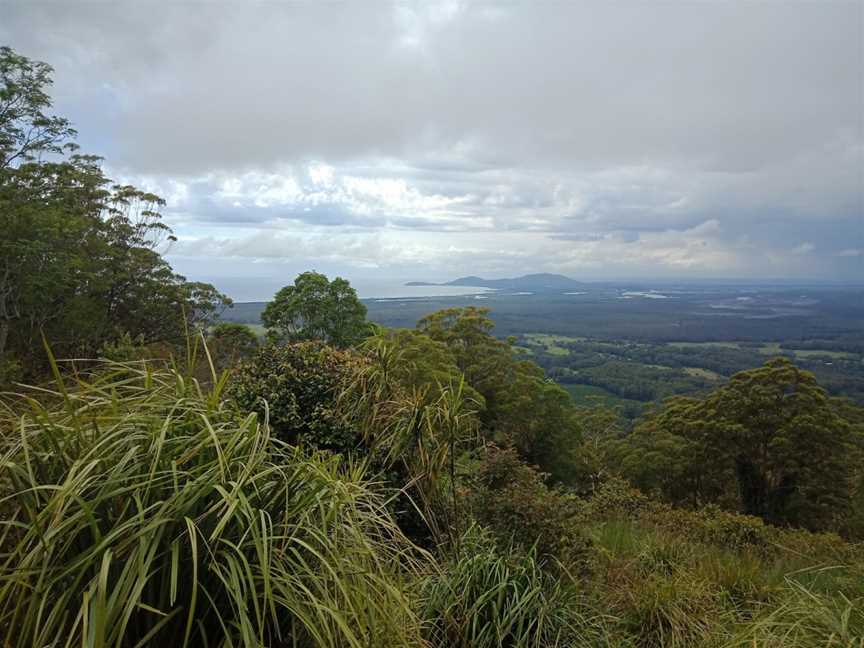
(4, 336)
(752, 487)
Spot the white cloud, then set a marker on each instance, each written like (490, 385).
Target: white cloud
(804, 248)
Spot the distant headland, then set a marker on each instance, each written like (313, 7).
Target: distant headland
(541, 282)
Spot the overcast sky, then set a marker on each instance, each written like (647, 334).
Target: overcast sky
(426, 141)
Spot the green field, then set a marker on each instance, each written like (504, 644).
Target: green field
(698, 372)
(552, 343)
(769, 348)
(591, 395)
(696, 345)
(815, 353)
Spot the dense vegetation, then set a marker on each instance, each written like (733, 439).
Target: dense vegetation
(180, 483)
(632, 351)
(79, 254)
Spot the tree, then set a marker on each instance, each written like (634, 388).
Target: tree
(523, 408)
(80, 258)
(229, 343)
(26, 129)
(770, 443)
(315, 308)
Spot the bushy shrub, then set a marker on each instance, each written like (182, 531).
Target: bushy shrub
(297, 387)
(737, 532)
(512, 500)
(230, 343)
(711, 525)
(144, 511)
(614, 498)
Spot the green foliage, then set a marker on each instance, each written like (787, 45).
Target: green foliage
(512, 500)
(711, 525)
(804, 619)
(614, 498)
(419, 361)
(26, 127)
(677, 577)
(142, 510)
(770, 443)
(671, 612)
(231, 343)
(522, 407)
(297, 387)
(127, 349)
(315, 308)
(634, 381)
(79, 255)
(417, 427)
(488, 598)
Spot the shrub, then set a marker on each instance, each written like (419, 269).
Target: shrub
(297, 386)
(711, 525)
(512, 500)
(615, 498)
(144, 511)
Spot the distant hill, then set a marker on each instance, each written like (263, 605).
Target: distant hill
(541, 282)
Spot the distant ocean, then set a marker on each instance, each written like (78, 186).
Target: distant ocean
(245, 289)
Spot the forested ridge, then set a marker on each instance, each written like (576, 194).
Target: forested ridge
(169, 479)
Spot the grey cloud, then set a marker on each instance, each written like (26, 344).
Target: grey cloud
(611, 126)
(730, 86)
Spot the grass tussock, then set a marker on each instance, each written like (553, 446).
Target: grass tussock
(806, 619)
(667, 591)
(486, 598)
(142, 510)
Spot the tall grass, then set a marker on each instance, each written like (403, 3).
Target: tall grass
(140, 510)
(486, 598)
(805, 618)
(669, 590)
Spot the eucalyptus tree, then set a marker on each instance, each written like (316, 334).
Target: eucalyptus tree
(522, 407)
(315, 308)
(770, 443)
(28, 130)
(80, 256)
